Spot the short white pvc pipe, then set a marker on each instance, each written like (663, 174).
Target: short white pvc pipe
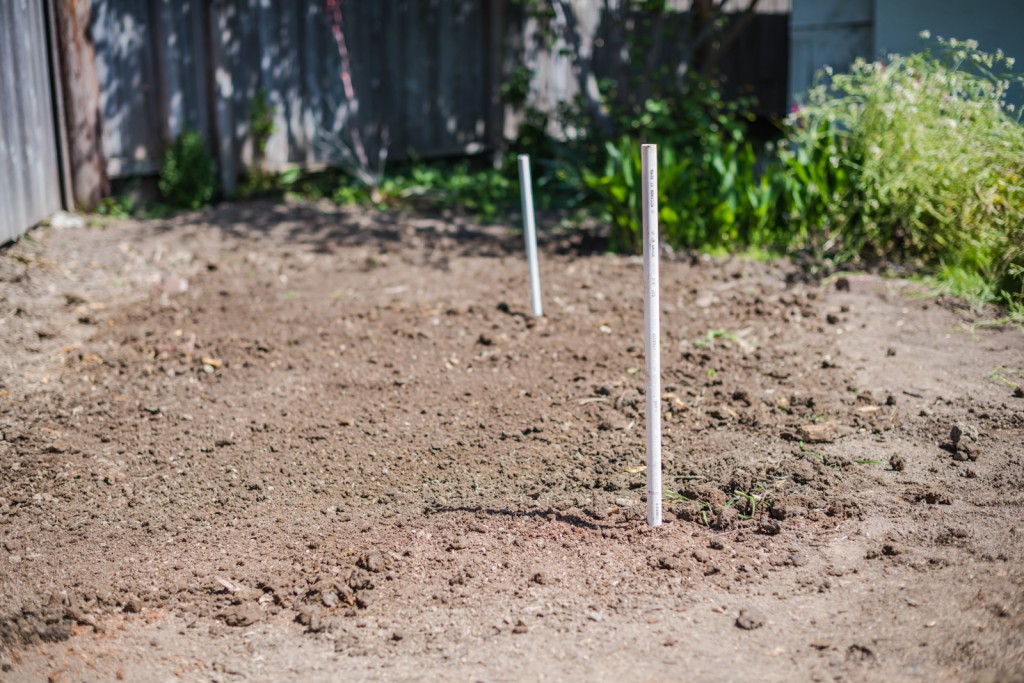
(649, 167)
(530, 230)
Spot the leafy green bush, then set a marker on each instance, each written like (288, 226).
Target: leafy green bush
(917, 160)
(710, 193)
(257, 180)
(188, 177)
(486, 193)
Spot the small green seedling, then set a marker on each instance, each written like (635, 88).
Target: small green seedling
(708, 340)
(705, 508)
(999, 374)
(750, 498)
(817, 455)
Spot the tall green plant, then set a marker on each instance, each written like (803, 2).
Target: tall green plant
(916, 160)
(710, 193)
(188, 176)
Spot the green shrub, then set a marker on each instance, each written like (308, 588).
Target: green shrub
(486, 193)
(710, 193)
(917, 160)
(188, 177)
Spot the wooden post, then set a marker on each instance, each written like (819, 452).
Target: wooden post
(81, 87)
(495, 51)
(59, 115)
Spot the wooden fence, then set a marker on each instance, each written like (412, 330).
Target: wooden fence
(428, 75)
(418, 66)
(30, 180)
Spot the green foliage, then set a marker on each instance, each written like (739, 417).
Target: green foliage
(188, 177)
(917, 161)
(257, 180)
(259, 183)
(116, 207)
(261, 122)
(710, 193)
(485, 193)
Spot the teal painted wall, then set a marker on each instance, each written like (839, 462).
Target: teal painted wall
(834, 32)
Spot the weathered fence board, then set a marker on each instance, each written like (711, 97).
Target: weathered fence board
(418, 70)
(29, 178)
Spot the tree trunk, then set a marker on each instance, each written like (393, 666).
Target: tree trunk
(81, 89)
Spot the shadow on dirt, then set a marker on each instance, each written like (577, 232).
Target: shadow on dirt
(326, 228)
(550, 514)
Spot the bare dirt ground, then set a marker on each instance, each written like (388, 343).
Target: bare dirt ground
(303, 443)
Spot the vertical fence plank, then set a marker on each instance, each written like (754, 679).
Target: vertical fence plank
(29, 177)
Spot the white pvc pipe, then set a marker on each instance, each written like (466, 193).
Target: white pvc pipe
(530, 230)
(649, 166)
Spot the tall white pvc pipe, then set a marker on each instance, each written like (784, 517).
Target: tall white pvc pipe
(530, 230)
(652, 346)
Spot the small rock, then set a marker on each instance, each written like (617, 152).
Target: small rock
(701, 555)
(769, 527)
(520, 627)
(78, 615)
(750, 619)
(934, 496)
(372, 562)
(802, 472)
(65, 220)
(741, 396)
(704, 300)
(726, 518)
(246, 614)
(824, 432)
(894, 549)
(842, 284)
(798, 559)
(1018, 392)
(540, 578)
(897, 463)
(667, 562)
(832, 319)
(723, 413)
(133, 605)
(964, 438)
(173, 284)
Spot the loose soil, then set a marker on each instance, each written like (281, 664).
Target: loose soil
(296, 442)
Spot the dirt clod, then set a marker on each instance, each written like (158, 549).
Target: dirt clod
(372, 562)
(964, 439)
(824, 432)
(750, 619)
(246, 614)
